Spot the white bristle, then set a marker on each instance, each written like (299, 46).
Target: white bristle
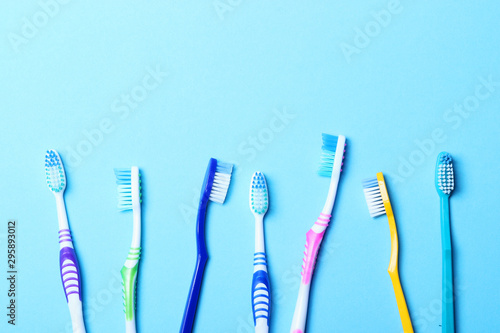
(222, 179)
(445, 178)
(373, 197)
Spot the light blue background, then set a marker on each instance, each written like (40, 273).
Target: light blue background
(227, 76)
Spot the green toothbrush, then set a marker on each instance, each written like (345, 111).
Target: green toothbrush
(129, 198)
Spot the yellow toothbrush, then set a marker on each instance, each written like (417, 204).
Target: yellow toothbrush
(378, 202)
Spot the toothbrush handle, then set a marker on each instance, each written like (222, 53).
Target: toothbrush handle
(300, 314)
(194, 295)
(448, 306)
(261, 294)
(201, 262)
(447, 288)
(71, 280)
(393, 271)
(313, 242)
(129, 283)
(400, 299)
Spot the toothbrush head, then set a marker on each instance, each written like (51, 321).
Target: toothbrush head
(54, 171)
(217, 180)
(259, 196)
(332, 154)
(376, 195)
(445, 178)
(129, 188)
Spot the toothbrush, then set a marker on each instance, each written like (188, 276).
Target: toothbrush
(68, 262)
(331, 162)
(261, 293)
(445, 184)
(215, 187)
(129, 198)
(378, 202)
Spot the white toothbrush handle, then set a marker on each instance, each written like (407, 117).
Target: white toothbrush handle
(262, 329)
(130, 326)
(300, 314)
(76, 313)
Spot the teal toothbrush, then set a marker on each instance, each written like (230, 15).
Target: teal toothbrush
(445, 184)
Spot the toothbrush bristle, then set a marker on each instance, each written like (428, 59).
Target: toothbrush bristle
(221, 182)
(328, 151)
(373, 197)
(124, 182)
(259, 196)
(445, 178)
(54, 171)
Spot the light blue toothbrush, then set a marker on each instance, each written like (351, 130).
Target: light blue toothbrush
(445, 184)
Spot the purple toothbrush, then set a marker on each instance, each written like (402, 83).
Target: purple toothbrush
(70, 272)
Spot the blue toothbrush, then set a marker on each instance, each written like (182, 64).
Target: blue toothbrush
(445, 184)
(215, 186)
(261, 292)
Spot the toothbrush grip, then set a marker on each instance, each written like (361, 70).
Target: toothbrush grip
(71, 280)
(448, 306)
(393, 271)
(129, 283)
(201, 262)
(447, 287)
(313, 243)
(70, 273)
(400, 299)
(194, 295)
(261, 294)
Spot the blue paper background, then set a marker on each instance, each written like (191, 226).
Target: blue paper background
(232, 66)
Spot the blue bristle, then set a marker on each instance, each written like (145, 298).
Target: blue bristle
(123, 176)
(124, 182)
(373, 196)
(226, 168)
(370, 182)
(328, 155)
(330, 142)
(54, 172)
